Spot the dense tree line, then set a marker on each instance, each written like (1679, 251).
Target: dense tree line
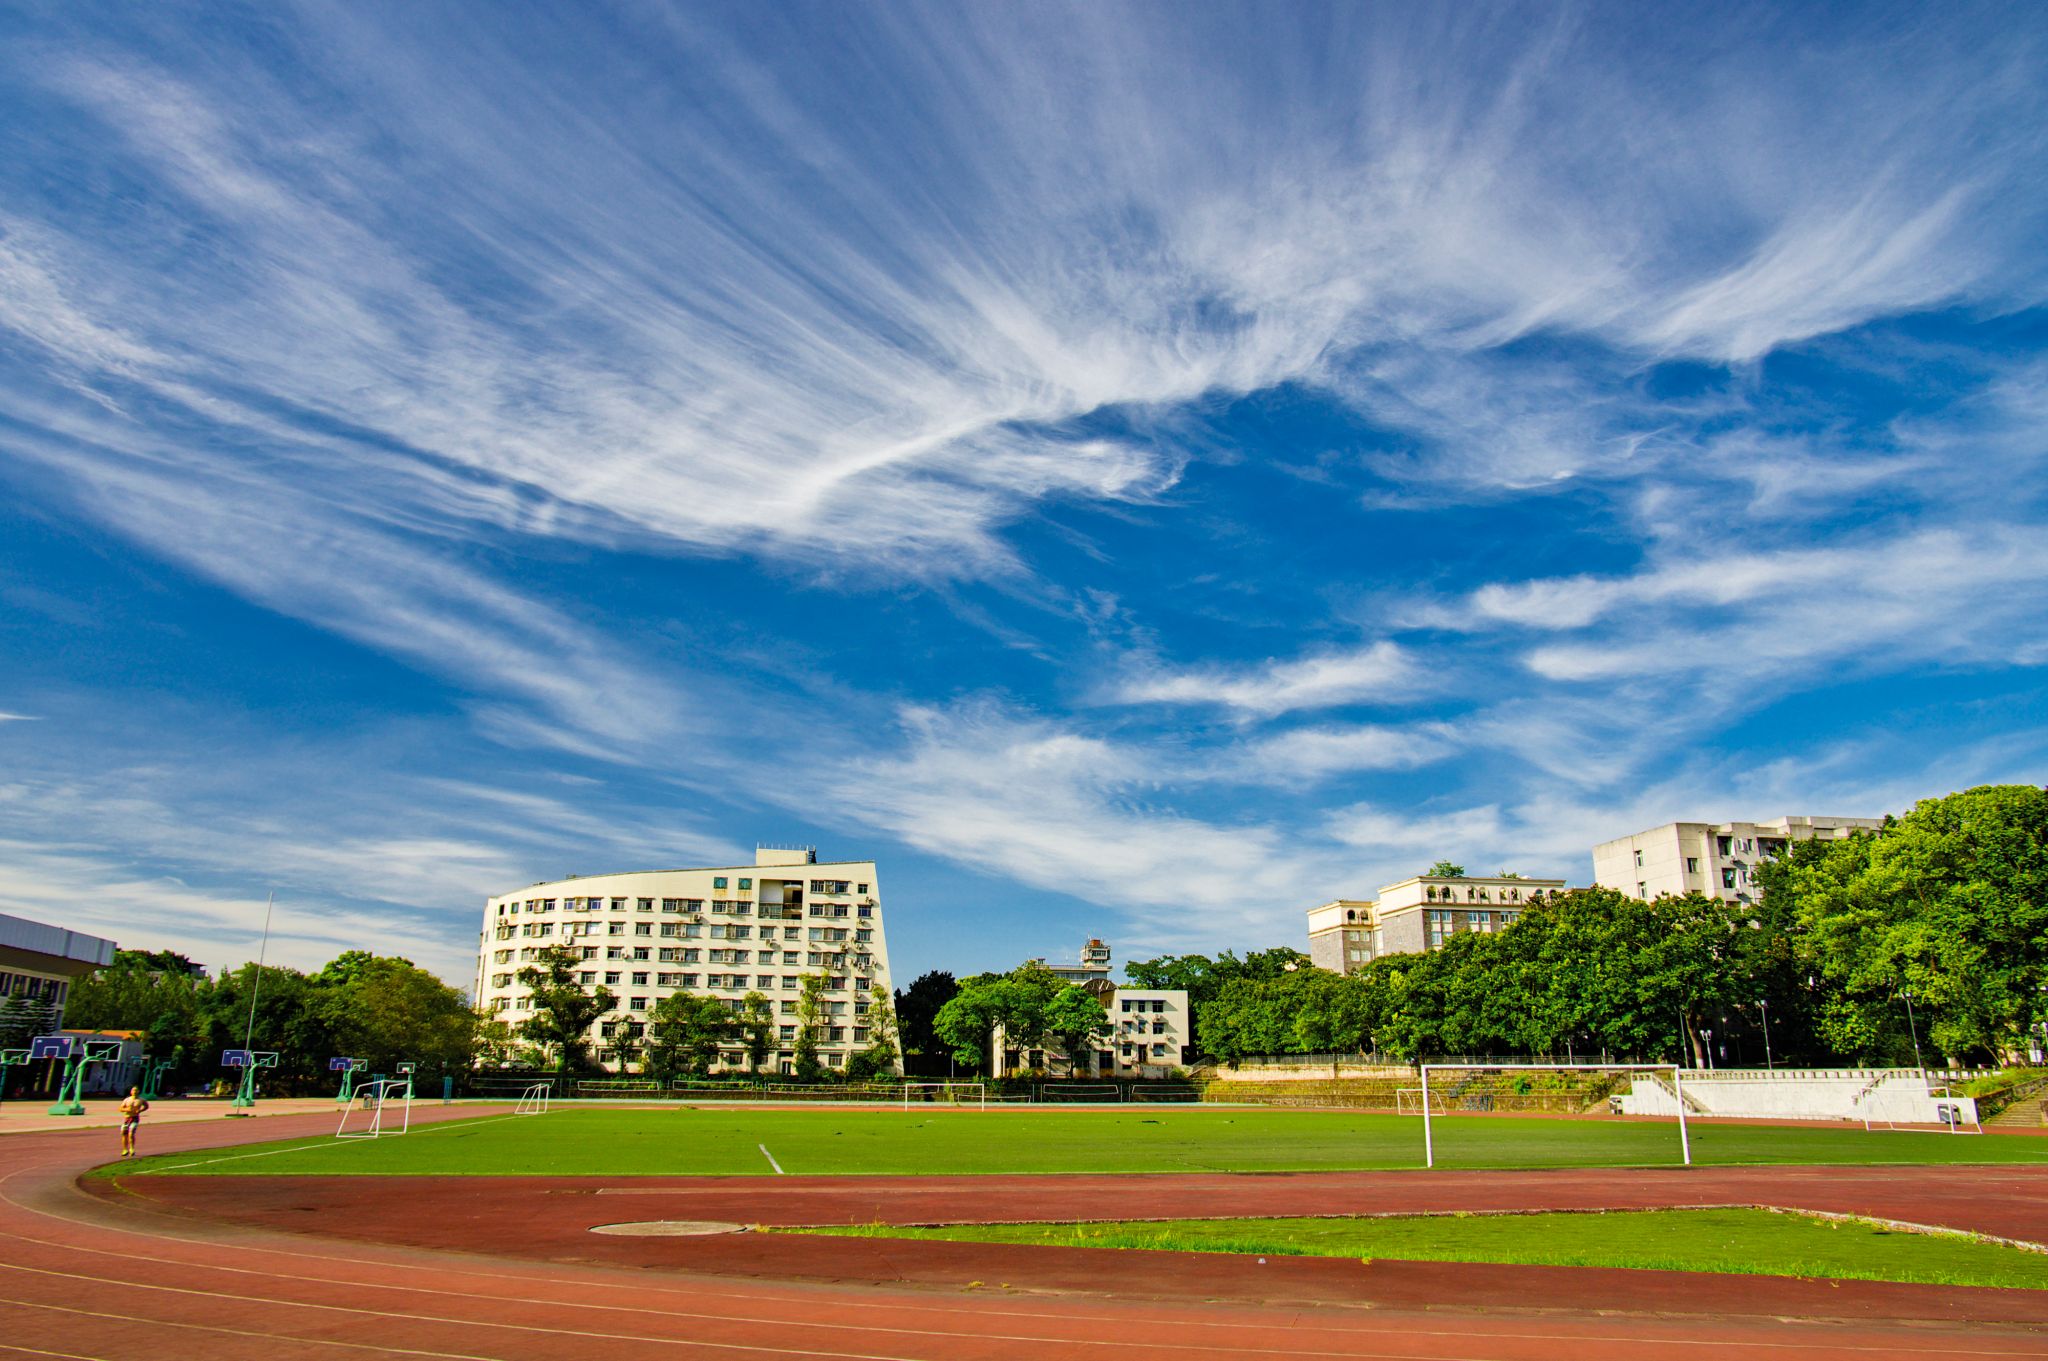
(382, 1009)
(1945, 908)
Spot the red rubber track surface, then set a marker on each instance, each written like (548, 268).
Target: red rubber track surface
(110, 1274)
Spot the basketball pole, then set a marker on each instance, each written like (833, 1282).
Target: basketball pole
(247, 1095)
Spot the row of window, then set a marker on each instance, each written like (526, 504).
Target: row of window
(1143, 1004)
(33, 987)
(718, 882)
(1441, 925)
(1476, 893)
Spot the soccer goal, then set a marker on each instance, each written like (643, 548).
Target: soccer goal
(945, 1093)
(1545, 1088)
(1080, 1091)
(535, 1098)
(382, 1108)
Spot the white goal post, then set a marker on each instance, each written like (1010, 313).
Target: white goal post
(1677, 1092)
(372, 1102)
(534, 1100)
(950, 1093)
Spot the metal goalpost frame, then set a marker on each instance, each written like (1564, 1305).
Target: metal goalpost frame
(535, 1099)
(949, 1088)
(1677, 1092)
(374, 1096)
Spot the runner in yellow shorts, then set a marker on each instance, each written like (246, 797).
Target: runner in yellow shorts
(131, 1120)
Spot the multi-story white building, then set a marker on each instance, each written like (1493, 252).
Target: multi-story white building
(1415, 915)
(1719, 859)
(719, 932)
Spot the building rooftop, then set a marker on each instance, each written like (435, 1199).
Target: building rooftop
(59, 946)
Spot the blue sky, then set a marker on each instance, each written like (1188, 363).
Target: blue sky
(1134, 470)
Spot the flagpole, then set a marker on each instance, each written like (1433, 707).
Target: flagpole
(256, 990)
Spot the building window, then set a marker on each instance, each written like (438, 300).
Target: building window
(746, 883)
(1692, 864)
(1642, 889)
(718, 881)
(1639, 859)
(1728, 878)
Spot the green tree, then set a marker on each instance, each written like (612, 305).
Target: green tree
(1014, 1002)
(878, 1057)
(916, 1008)
(685, 1033)
(810, 1019)
(1950, 902)
(1074, 1019)
(1446, 869)
(387, 1010)
(757, 1029)
(562, 1010)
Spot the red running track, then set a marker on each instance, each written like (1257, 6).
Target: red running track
(114, 1275)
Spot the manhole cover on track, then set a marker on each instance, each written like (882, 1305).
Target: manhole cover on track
(670, 1228)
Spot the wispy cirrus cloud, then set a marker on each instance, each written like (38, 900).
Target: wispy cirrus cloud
(412, 326)
(1377, 673)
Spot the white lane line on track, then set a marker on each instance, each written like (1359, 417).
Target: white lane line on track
(771, 1159)
(238, 1332)
(1350, 1327)
(1915, 1349)
(1355, 1324)
(39, 1351)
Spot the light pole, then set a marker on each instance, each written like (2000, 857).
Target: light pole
(1915, 1030)
(1708, 1036)
(1764, 1005)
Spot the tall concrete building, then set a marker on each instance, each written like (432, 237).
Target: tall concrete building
(1415, 915)
(721, 932)
(1716, 858)
(40, 962)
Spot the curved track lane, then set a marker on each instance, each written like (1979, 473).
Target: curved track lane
(86, 1275)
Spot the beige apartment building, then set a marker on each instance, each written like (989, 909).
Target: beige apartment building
(1719, 859)
(1416, 915)
(721, 932)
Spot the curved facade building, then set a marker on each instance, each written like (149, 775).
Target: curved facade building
(720, 932)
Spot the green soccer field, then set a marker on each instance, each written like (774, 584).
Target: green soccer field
(685, 1141)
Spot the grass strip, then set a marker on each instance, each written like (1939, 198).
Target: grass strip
(685, 1141)
(1736, 1242)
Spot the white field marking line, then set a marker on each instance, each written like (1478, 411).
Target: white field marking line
(311, 1141)
(771, 1159)
(1353, 1333)
(243, 1332)
(1353, 1326)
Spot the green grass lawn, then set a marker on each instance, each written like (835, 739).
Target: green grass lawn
(681, 1141)
(1746, 1242)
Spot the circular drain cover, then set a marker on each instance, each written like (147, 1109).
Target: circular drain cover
(670, 1228)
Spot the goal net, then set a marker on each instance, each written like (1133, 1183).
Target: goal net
(945, 1094)
(381, 1109)
(535, 1098)
(1463, 1089)
(1080, 1091)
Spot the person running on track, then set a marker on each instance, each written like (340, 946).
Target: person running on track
(131, 1120)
